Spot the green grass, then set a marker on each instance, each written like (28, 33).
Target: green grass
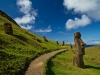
(46, 63)
(61, 64)
(19, 49)
(93, 54)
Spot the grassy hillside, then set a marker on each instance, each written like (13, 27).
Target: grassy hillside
(62, 64)
(17, 50)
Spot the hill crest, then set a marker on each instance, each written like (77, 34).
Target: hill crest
(8, 17)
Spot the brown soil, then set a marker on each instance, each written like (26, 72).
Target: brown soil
(35, 67)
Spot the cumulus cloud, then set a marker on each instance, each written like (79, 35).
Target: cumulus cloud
(25, 19)
(73, 24)
(91, 8)
(27, 27)
(24, 6)
(48, 29)
(29, 14)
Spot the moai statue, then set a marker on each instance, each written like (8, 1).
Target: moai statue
(80, 51)
(63, 43)
(57, 42)
(45, 39)
(8, 28)
(71, 47)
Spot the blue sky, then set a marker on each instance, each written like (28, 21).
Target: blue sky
(57, 19)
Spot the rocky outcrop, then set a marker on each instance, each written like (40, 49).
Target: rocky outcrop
(8, 17)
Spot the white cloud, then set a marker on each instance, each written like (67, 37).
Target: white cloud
(73, 24)
(25, 7)
(81, 5)
(25, 19)
(89, 7)
(48, 29)
(27, 27)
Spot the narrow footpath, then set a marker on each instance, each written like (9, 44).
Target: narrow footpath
(35, 67)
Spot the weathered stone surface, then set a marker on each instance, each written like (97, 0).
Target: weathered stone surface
(71, 47)
(63, 43)
(57, 42)
(8, 28)
(80, 51)
(45, 39)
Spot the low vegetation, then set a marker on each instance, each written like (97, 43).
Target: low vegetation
(19, 49)
(61, 64)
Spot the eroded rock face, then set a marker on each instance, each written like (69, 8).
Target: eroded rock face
(80, 50)
(8, 28)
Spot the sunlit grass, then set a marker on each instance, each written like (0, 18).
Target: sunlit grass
(19, 49)
(61, 64)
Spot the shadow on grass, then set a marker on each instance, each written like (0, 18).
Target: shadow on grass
(20, 37)
(49, 70)
(89, 66)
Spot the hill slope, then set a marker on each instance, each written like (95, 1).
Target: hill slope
(17, 50)
(62, 64)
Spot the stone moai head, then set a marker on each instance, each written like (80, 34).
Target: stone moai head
(8, 28)
(77, 35)
(44, 37)
(57, 42)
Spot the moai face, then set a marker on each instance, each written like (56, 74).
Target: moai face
(8, 28)
(77, 35)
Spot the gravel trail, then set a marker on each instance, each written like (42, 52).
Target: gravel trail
(35, 67)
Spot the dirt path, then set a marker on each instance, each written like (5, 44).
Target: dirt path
(35, 67)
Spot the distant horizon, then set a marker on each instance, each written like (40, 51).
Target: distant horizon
(88, 44)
